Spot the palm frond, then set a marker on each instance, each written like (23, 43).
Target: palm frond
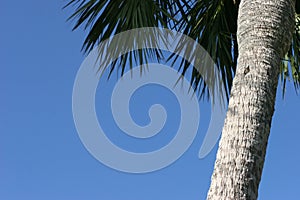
(106, 18)
(212, 23)
(290, 66)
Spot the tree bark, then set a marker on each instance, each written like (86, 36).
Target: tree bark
(264, 34)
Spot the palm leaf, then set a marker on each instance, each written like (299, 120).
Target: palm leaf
(290, 66)
(212, 23)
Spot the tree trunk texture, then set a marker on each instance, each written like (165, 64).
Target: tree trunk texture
(264, 34)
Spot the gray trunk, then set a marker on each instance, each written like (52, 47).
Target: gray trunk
(264, 34)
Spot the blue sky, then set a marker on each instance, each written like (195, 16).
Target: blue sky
(41, 155)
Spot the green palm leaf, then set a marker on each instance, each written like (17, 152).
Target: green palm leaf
(212, 23)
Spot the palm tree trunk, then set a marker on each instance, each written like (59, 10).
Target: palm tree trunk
(264, 34)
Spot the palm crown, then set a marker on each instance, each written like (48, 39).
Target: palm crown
(212, 23)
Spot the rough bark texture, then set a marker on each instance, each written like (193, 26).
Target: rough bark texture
(264, 34)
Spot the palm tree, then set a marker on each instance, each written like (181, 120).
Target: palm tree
(263, 37)
(254, 41)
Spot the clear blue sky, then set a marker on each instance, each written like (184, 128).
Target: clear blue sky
(41, 155)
